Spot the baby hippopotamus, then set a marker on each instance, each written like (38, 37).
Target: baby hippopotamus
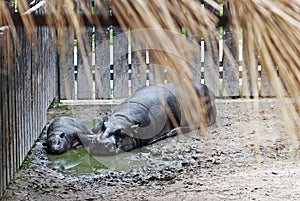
(63, 135)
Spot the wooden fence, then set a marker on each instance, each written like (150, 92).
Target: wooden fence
(28, 84)
(33, 73)
(114, 70)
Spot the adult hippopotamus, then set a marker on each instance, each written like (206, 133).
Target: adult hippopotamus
(63, 134)
(150, 114)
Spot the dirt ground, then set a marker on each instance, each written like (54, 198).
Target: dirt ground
(247, 155)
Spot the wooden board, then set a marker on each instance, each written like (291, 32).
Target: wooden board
(266, 87)
(230, 66)
(138, 70)
(84, 67)
(2, 61)
(66, 63)
(211, 68)
(120, 64)
(250, 71)
(102, 67)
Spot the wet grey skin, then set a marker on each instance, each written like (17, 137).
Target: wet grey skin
(63, 135)
(151, 114)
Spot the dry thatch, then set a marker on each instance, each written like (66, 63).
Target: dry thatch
(271, 27)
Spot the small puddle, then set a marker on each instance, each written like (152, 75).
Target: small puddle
(79, 161)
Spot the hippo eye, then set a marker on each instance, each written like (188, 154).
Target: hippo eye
(62, 135)
(117, 132)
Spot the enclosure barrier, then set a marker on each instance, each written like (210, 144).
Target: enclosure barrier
(28, 84)
(34, 72)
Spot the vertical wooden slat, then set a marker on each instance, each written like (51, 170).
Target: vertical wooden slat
(5, 116)
(1, 136)
(35, 66)
(28, 96)
(53, 78)
(102, 55)
(2, 92)
(84, 67)
(11, 115)
(195, 66)
(266, 87)
(138, 71)
(102, 67)
(230, 68)
(120, 86)
(250, 70)
(19, 56)
(156, 72)
(66, 63)
(211, 67)
(24, 99)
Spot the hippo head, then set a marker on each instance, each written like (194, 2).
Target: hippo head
(57, 143)
(115, 138)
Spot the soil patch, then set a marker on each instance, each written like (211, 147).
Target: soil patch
(247, 155)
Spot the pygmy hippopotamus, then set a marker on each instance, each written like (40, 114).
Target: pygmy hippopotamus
(63, 134)
(150, 114)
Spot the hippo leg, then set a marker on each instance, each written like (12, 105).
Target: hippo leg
(162, 135)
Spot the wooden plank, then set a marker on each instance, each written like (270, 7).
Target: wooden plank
(211, 67)
(156, 72)
(23, 98)
(84, 67)
(102, 67)
(5, 133)
(11, 108)
(138, 70)
(41, 92)
(120, 58)
(195, 67)
(66, 64)
(53, 81)
(28, 95)
(250, 70)
(15, 99)
(230, 67)
(266, 87)
(2, 123)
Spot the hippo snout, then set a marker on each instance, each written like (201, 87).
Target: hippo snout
(57, 149)
(103, 146)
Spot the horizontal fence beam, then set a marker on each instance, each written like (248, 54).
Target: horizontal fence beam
(97, 20)
(45, 20)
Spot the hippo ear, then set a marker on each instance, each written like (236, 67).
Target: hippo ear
(135, 127)
(62, 135)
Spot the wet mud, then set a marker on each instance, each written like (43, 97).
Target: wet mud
(247, 155)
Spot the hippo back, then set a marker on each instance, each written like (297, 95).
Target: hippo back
(150, 108)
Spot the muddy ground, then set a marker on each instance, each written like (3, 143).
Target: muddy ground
(247, 155)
